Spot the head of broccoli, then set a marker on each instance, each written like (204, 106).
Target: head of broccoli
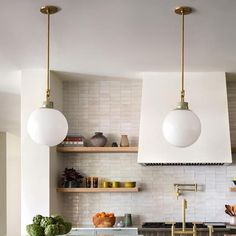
(48, 226)
(62, 229)
(46, 221)
(68, 227)
(37, 219)
(35, 230)
(51, 230)
(58, 219)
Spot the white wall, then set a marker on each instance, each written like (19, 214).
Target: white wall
(10, 97)
(34, 158)
(38, 171)
(114, 107)
(3, 190)
(207, 97)
(13, 185)
(56, 160)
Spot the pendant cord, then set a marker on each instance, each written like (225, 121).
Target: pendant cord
(48, 57)
(182, 57)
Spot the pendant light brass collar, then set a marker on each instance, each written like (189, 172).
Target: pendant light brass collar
(182, 106)
(47, 104)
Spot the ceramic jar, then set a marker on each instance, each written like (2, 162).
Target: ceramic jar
(128, 220)
(98, 140)
(71, 184)
(124, 142)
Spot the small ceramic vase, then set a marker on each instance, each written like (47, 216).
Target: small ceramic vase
(128, 220)
(98, 140)
(124, 142)
(71, 184)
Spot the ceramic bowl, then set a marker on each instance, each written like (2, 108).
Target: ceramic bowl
(129, 184)
(104, 222)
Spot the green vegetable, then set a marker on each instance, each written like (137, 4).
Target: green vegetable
(51, 230)
(62, 229)
(48, 226)
(46, 221)
(35, 230)
(68, 227)
(58, 219)
(37, 219)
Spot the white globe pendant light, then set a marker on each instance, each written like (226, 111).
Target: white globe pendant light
(47, 126)
(181, 126)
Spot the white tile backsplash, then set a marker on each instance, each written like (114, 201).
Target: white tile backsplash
(113, 107)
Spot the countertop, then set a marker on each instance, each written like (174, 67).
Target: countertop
(140, 229)
(89, 227)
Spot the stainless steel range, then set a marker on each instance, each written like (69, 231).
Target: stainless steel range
(202, 228)
(167, 225)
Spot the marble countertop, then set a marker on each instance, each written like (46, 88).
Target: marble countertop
(89, 227)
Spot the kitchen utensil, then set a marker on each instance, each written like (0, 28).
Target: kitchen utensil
(234, 208)
(228, 207)
(228, 213)
(232, 220)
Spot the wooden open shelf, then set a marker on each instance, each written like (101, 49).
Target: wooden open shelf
(98, 190)
(97, 149)
(232, 189)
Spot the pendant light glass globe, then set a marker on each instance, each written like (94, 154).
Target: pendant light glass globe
(181, 128)
(47, 126)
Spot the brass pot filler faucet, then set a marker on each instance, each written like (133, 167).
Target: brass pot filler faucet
(179, 189)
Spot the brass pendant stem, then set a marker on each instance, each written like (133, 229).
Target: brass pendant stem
(182, 58)
(48, 10)
(182, 11)
(48, 58)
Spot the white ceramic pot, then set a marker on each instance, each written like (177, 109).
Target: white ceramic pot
(232, 220)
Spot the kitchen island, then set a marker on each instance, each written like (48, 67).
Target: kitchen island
(90, 230)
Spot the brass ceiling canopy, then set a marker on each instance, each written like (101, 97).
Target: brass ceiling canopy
(183, 10)
(49, 9)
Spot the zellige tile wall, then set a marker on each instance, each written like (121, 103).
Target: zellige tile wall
(113, 107)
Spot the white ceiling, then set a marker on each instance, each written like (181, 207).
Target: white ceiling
(120, 38)
(104, 38)
(114, 37)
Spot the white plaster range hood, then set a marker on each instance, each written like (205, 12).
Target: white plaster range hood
(207, 96)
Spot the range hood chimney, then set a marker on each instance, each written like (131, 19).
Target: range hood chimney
(208, 99)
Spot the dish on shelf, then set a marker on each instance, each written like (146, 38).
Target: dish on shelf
(128, 184)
